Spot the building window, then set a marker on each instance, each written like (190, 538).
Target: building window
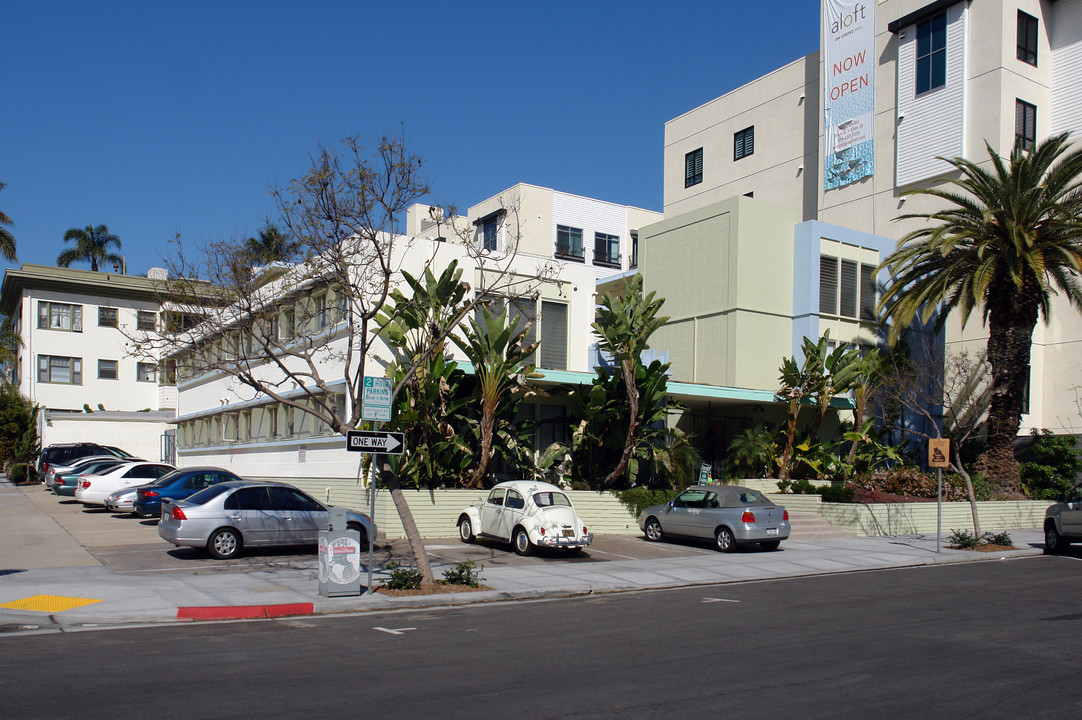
(285, 329)
(60, 316)
(146, 320)
(490, 234)
(569, 243)
(107, 370)
(107, 317)
(634, 249)
(606, 249)
(146, 372)
(167, 371)
(61, 370)
(1027, 38)
(693, 168)
(846, 288)
(932, 53)
(744, 143)
(553, 335)
(319, 309)
(1025, 123)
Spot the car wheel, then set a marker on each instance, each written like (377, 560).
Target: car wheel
(1053, 541)
(521, 540)
(770, 544)
(724, 540)
(224, 543)
(360, 529)
(652, 530)
(465, 530)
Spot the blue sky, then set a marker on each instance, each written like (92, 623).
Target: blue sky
(158, 118)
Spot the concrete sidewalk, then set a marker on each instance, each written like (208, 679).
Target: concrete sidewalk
(68, 590)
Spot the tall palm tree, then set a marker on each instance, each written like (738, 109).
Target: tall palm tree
(1009, 240)
(91, 245)
(7, 240)
(272, 245)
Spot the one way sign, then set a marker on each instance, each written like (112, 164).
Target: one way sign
(388, 443)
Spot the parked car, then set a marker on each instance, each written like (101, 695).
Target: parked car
(122, 500)
(177, 485)
(94, 487)
(525, 514)
(75, 466)
(64, 482)
(226, 518)
(64, 455)
(1063, 523)
(729, 514)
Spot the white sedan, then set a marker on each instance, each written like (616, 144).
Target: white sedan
(93, 489)
(525, 514)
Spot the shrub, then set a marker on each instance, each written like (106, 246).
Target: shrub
(637, 499)
(465, 573)
(962, 539)
(18, 472)
(1054, 464)
(801, 486)
(911, 482)
(1000, 538)
(403, 577)
(837, 493)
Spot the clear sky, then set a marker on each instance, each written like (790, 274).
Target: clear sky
(165, 117)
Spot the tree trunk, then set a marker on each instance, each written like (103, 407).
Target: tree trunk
(794, 413)
(1011, 318)
(957, 467)
(488, 422)
(413, 535)
(628, 368)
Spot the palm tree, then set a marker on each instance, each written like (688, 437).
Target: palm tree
(7, 240)
(272, 245)
(1007, 243)
(91, 245)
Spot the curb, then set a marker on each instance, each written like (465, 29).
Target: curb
(244, 612)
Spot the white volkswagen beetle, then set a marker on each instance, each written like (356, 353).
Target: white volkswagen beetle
(526, 514)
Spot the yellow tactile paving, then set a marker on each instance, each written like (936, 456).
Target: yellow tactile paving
(48, 603)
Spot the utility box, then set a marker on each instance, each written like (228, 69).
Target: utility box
(339, 557)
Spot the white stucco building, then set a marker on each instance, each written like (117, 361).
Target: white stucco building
(78, 362)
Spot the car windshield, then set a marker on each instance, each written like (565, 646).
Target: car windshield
(548, 499)
(207, 493)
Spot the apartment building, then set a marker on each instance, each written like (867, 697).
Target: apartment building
(837, 136)
(78, 360)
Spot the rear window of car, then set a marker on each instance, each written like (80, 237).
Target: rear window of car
(547, 499)
(206, 494)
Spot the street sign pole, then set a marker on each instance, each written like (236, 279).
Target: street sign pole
(372, 515)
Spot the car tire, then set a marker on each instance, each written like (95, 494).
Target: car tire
(360, 529)
(770, 544)
(465, 530)
(225, 543)
(521, 540)
(1054, 544)
(724, 540)
(652, 530)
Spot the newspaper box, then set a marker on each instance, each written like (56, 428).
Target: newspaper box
(339, 557)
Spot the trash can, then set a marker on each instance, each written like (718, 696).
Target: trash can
(339, 557)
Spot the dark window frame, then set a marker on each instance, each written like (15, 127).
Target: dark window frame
(146, 320)
(931, 53)
(74, 365)
(116, 370)
(1027, 38)
(693, 168)
(744, 143)
(107, 317)
(565, 245)
(606, 249)
(1025, 122)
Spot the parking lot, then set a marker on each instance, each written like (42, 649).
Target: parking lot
(126, 544)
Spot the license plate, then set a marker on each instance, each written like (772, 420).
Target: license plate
(568, 532)
(771, 531)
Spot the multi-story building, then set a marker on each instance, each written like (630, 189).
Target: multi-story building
(78, 360)
(835, 138)
(548, 249)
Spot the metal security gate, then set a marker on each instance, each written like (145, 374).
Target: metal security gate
(169, 447)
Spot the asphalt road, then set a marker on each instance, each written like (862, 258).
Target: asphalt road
(983, 640)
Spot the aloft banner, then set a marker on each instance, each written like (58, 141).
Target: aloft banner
(848, 91)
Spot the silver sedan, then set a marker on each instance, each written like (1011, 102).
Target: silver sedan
(229, 516)
(729, 514)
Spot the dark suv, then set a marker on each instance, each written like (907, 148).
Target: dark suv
(65, 453)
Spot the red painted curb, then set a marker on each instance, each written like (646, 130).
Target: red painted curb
(244, 612)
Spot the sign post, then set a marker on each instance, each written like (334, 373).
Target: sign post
(939, 452)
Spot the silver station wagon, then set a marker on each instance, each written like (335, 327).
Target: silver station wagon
(729, 514)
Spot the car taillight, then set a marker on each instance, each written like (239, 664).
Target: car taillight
(84, 483)
(177, 514)
(541, 530)
(148, 493)
(747, 517)
(785, 516)
(584, 532)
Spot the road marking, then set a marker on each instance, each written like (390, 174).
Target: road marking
(602, 552)
(713, 600)
(393, 631)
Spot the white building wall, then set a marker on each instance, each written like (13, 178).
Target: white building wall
(1066, 42)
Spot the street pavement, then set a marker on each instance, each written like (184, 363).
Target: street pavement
(50, 581)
